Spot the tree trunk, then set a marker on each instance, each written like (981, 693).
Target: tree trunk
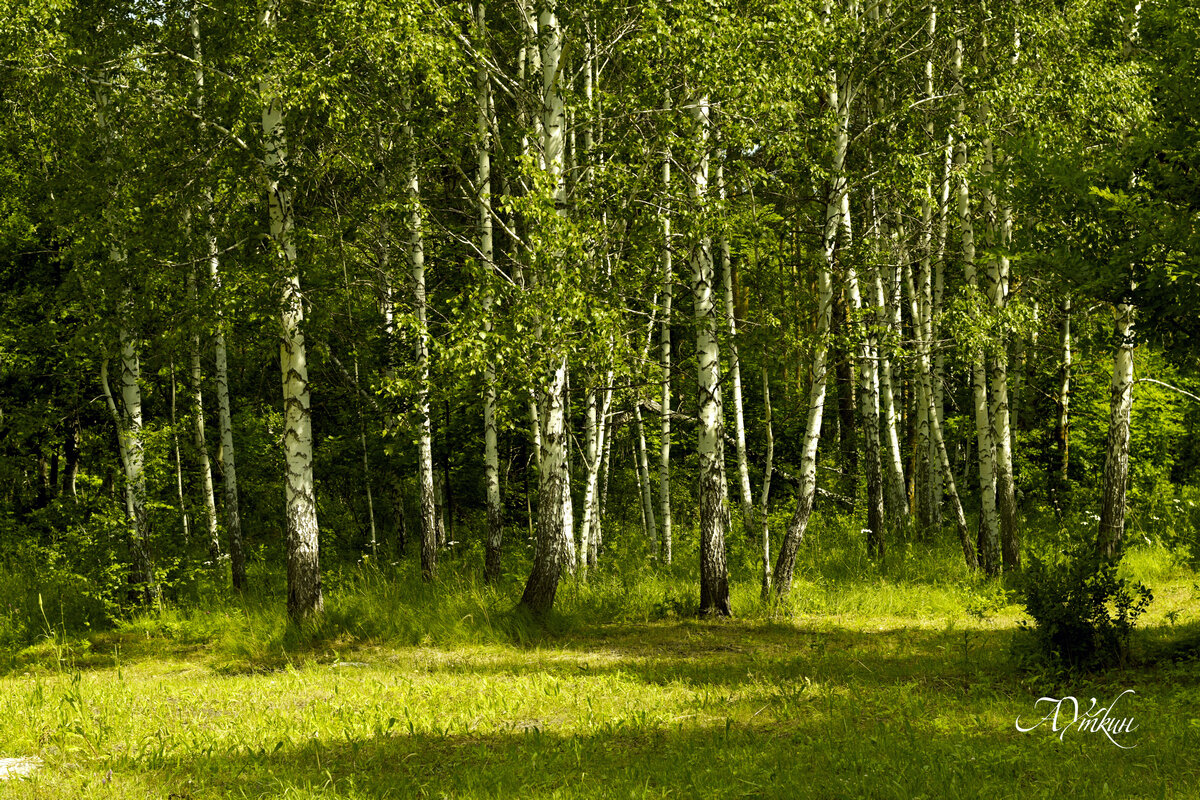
(184, 522)
(664, 359)
(735, 373)
(227, 458)
(206, 481)
(989, 522)
(1006, 501)
(643, 472)
(714, 576)
(483, 180)
(920, 306)
(847, 409)
(304, 572)
(1062, 427)
(768, 467)
(552, 474)
(1116, 460)
(807, 490)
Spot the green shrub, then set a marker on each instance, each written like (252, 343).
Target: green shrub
(1082, 612)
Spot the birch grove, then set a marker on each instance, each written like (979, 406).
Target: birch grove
(891, 237)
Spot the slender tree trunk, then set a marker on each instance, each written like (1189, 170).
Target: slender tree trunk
(304, 572)
(887, 304)
(768, 468)
(129, 422)
(416, 259)
(643, 473)
(989, 521)
(1006, 501)
(483, 180)
(1116, 460)
(735, 372)
(786, 563)
(184, 522)
(847, 408)
(1062, 428)
(206, 481)
(920, 305)
(132, 451)
(664, 360)
(714, 576)
(226, 455)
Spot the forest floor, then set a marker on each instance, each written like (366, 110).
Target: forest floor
(890, 693)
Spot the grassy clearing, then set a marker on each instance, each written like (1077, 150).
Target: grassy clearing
(901, 685)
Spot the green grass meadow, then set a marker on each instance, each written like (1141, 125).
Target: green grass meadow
(900, 683)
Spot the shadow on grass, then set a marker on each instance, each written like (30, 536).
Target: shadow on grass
(845, 748)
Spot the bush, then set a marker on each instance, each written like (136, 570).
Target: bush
(1082, 612)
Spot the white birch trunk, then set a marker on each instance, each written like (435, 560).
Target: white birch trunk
(483, 180)
(206, 481)
(553, 488)
(920, 305)
(129, 422)
(998, 367)
(416, 262)
(226, 454)
(304, 573)
(664, 358)
(714, 576)
(989, 520)
(807, 490)
(735, 372)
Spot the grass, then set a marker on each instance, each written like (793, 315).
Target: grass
(892, 684)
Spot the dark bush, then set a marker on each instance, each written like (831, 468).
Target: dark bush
(1082, 612)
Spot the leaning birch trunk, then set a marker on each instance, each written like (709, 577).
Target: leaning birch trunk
(714, 575)
(1116, 460)
(643, 471)
(786, 563)
(735, 371)
(483, 180)
(989, 522)
(304, 571)
(1062, 427)
(664, 358)
(131, 450)
(552, 543)
(206, 481)
(416, 263)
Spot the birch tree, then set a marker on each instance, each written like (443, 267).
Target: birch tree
(303, 571)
